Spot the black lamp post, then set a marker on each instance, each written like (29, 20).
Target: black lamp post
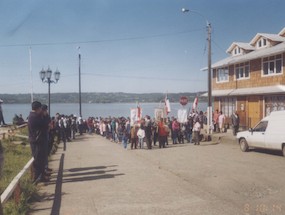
(209, 30)
(45, 76)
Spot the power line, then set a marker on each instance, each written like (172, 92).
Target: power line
(143, 77)
(99, 41)
(219, 47)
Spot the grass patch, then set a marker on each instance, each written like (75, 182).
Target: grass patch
(15, 158)
(22, 208)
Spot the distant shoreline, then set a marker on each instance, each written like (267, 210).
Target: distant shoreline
(100, 98)
(103, 110)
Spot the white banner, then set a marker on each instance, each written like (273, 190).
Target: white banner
(182, 115)
(167, 105)
(158, 114)
(135, 115)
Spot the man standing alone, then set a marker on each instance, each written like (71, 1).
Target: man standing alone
(148, 132)
(235, 123)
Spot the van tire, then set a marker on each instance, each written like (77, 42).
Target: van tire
(283, 150)
(243, 145)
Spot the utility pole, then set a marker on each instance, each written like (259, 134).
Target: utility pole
(209, 111)
(31, 73)
(79, 70)
(209, 108)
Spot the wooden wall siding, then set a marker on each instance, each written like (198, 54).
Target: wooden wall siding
(255, 80)
(253, 105)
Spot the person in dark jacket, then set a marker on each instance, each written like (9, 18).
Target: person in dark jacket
(235, 123)
(37, 136)
(148, 132)
(46, 129)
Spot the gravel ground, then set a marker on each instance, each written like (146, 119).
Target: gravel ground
(96, 176)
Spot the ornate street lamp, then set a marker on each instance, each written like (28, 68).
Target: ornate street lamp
(45, 76)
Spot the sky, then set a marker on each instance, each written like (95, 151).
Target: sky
(133, 46)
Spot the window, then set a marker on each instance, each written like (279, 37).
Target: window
(262, 42)
(259, 43)
(272, 66)
(274, 103)
(237, 50)
(228, 106)
(242, 71)
(223, 74)
(261, 127)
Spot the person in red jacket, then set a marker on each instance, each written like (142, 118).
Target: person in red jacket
(175, 131)
(163, 131)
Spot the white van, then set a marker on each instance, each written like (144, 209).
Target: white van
(269, 133)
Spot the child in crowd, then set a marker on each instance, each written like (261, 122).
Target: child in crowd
(141, 135)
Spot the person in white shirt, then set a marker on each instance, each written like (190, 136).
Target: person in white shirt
(221, 119)
(141, 135)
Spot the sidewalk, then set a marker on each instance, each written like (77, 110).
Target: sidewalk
(96, 176)
(226, 137)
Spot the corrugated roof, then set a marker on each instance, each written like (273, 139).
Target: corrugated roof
(219, 93)
(273, 37)
(259, 90)
(248, 91)
(282, 32)
(245, 46)
(277, 49)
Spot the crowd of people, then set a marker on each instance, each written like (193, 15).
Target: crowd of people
(219, 122)
(148, 132)
(45, 131)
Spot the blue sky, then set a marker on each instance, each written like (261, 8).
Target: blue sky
(138, 46)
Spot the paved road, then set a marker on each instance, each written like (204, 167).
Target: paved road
(95, 176)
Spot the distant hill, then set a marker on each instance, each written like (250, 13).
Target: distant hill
(117, 97)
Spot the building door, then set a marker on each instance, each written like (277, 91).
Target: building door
(254, 111)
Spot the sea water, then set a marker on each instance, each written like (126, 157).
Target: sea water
(95, 110)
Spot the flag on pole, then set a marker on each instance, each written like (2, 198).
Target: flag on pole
(167, 105)
(195, 104)
(139, 112)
